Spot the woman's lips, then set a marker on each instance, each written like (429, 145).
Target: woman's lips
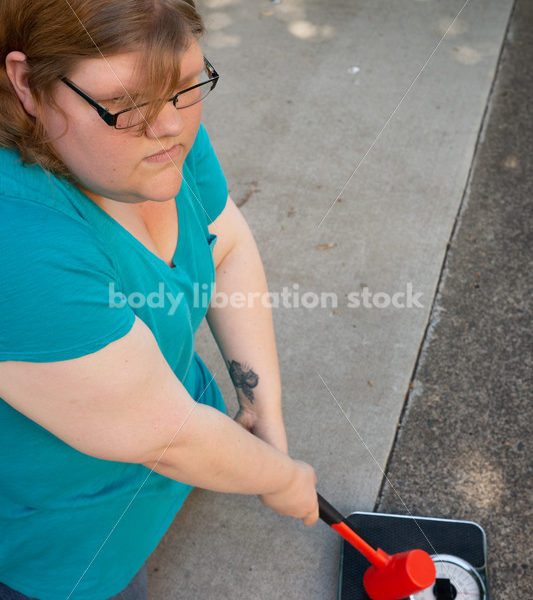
(165, 155)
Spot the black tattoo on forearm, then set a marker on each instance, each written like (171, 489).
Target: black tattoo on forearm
(243, 378)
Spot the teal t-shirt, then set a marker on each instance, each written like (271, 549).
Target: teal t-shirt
(73, 280)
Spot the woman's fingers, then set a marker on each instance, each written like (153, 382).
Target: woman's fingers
(298, 497)
(311, 518)
(245, 419)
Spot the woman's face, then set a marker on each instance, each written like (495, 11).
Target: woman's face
(119, 164)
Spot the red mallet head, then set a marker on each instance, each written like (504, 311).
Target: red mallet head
(404, 574)
(390, 577)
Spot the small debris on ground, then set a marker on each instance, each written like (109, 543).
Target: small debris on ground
(370, 383)
(248, 196)
(326, 246)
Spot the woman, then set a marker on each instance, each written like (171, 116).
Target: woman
(115, 221)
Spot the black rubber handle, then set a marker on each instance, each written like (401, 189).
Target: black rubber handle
(328, 513)
(334, 519)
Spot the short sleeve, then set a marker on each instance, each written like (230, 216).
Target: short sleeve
(209, 177)
(60, 289)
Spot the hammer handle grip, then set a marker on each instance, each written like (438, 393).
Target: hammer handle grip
(328, 513)
(336, 521)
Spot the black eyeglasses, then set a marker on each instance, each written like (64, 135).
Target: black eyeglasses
(135, 115)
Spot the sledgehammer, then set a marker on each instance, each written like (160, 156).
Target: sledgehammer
(390, 577)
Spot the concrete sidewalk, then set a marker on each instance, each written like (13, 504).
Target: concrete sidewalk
(366, 100)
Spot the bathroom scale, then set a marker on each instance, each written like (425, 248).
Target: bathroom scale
(457, 548)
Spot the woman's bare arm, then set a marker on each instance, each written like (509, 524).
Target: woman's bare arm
(243, 327)
(124, 403)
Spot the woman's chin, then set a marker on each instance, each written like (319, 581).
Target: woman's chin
(162, 190)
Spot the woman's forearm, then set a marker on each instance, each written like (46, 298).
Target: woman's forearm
(213, 452)
(241, 322)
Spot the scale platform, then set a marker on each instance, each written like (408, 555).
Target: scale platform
(458, 549)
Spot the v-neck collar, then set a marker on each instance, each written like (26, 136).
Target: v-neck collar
(109, 219)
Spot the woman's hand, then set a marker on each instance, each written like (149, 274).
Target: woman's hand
(298, 499)
(271, 431)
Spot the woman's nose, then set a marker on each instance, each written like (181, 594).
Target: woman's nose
(168, 123)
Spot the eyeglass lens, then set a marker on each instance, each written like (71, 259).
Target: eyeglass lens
(136, 116)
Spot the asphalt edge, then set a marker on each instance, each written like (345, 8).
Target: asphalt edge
(434, 311)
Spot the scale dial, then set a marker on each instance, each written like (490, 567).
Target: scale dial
(456, 580)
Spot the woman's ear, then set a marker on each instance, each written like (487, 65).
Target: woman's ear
(17, 70)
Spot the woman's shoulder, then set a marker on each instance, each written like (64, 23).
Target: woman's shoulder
(202, 152)
(200, 142)
(56, 275)
(34, 202)
(211, 188)
(43, 236)
(21, 179)
(29, 227)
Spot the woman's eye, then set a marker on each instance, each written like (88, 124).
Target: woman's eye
(116, 104)
(127, 102)
(189, 83)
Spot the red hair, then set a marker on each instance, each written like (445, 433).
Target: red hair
(55, 40)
